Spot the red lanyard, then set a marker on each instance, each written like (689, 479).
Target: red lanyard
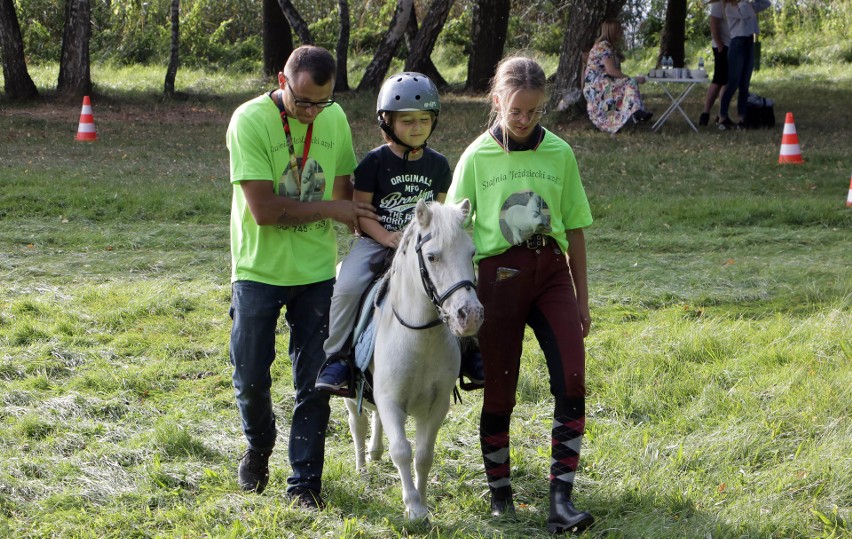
(294, 165)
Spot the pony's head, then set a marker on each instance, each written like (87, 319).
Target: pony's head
(438, 246)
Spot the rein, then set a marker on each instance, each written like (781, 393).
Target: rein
(436, 299)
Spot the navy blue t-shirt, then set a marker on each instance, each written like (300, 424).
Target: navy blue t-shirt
(397, 185)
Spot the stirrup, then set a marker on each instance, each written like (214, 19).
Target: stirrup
(469, 385)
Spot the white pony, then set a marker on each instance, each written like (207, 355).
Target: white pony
(431, 300)
(524, 220)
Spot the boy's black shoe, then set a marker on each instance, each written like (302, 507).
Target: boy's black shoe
(253, 474)
(472, 373)
(704, 119)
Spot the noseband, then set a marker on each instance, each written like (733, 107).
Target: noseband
(437, 299)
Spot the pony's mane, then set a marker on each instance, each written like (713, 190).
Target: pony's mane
(446, 218)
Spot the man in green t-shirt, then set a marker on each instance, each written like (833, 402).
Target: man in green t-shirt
(291, 159)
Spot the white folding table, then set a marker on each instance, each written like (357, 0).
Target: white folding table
(688, 85)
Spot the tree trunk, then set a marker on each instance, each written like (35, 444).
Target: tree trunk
(375, 73)
(174, 52)
(420, 47)
(341, 80)
(296, 21)
(411, 32)
(74, 71)
(16, 79)
(674, 32)
(488, 38)
(612, 11)
(584, 21)
(277, 38)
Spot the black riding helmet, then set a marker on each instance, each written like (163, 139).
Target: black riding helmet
(407, 92)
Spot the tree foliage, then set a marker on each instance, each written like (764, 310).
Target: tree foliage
(228, 33)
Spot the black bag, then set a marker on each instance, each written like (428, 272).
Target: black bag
(760, 112)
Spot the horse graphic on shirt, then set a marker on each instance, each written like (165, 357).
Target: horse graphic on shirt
(308, 186)
(312, 181)
(521, 219)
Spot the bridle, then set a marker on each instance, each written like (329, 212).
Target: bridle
(437, 299)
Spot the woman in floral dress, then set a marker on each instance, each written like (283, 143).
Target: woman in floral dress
(612, 98)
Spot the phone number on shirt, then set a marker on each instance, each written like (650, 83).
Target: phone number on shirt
(319, 225)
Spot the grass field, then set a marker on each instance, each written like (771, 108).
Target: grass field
(719, 362)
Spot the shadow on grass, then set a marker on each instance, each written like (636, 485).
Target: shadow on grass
(625, 515)
(653, 514)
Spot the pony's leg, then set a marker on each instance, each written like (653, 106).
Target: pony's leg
(376, 435)
(427, 433)
(393, 421)
(358, 428)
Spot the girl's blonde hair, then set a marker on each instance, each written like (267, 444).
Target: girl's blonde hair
(513, 74)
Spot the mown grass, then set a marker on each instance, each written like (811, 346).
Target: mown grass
(718, 364)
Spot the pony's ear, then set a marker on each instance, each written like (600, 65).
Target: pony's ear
(423, 213)
(465, 208)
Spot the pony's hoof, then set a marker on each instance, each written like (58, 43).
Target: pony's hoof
(417, 513)
(375, 456)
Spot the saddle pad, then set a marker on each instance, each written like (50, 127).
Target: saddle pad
(365, 345)
(365, 314)
(365, 328)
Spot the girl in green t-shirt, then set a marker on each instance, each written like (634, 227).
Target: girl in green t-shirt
(529, 209)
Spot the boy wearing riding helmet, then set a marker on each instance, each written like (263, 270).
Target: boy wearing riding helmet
(393, 177)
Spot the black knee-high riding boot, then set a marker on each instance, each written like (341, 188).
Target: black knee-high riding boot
(494, 441)
(569, 421)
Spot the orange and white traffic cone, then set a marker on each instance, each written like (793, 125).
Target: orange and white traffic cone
(849, 196)
(790, 152)
(86, 130)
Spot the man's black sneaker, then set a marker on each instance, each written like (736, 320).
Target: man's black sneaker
(253, 474)
(307, 499)
(704, 119)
